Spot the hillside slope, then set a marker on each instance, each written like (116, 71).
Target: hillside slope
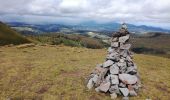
(59, 72)
(9, 36)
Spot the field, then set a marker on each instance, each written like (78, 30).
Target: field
(59, 72)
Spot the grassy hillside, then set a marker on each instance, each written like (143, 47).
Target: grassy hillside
(152, 43)
(59, 72)
(9, 36)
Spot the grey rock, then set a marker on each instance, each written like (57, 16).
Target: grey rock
(114, 89)
(115, 44)
(95, 78)
(124, 91)
(114, 79)
(104, 87)
(90, 84)
(112, 56)
(121, 64)
(124, 53)
(108, 63)
(125, 46)
(113, 96)
(128, 79)
(131, 70)
(123, 39)
(125, 98)
(114, 69)
(128, 58)
(108, 78)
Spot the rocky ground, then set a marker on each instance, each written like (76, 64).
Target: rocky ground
(59, 72)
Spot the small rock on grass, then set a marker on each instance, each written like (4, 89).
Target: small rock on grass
(113, 96)
(90, 84)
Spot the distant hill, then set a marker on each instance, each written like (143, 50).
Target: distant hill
(82, 28)
(9, 36)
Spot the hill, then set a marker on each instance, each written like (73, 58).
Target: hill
(152, 43)
(58, 73)
(9, 36)
(82, 28)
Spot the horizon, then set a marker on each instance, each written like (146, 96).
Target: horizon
(150, 13)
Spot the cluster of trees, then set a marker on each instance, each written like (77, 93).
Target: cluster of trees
(70, 40)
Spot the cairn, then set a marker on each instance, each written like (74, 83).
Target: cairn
(118, 74)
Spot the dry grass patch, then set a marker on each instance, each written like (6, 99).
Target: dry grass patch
(59, 72)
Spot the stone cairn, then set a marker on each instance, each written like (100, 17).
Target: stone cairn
(118, 74)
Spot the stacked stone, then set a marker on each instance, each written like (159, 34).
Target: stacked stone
(118, 74)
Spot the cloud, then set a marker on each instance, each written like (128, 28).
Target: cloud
(151, 11)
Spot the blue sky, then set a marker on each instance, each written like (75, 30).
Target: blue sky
(148, 12)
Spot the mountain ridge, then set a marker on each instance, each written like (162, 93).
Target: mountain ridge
(87, 26)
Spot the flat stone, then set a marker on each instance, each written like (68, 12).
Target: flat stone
(125, 46)
(128, 79)
(123, 39)
(90, 84)
(114, 89)
(108, 63)
(115, 44)
(114, 69)
(95, 78)
(124, 53)
(121, 64)
(124, 91)
(108, 78)
(131, 70)
(114, 79)
(113, 96)
(104, 87)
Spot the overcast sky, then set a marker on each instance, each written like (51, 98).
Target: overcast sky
(149, 12)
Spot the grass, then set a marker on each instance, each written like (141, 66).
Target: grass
(9, 36)
(59, 72)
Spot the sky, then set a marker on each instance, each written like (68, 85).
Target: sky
(139, 12)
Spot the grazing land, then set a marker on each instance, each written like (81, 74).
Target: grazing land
(58, 73)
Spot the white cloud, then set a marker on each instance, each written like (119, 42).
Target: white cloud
(152, 11)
